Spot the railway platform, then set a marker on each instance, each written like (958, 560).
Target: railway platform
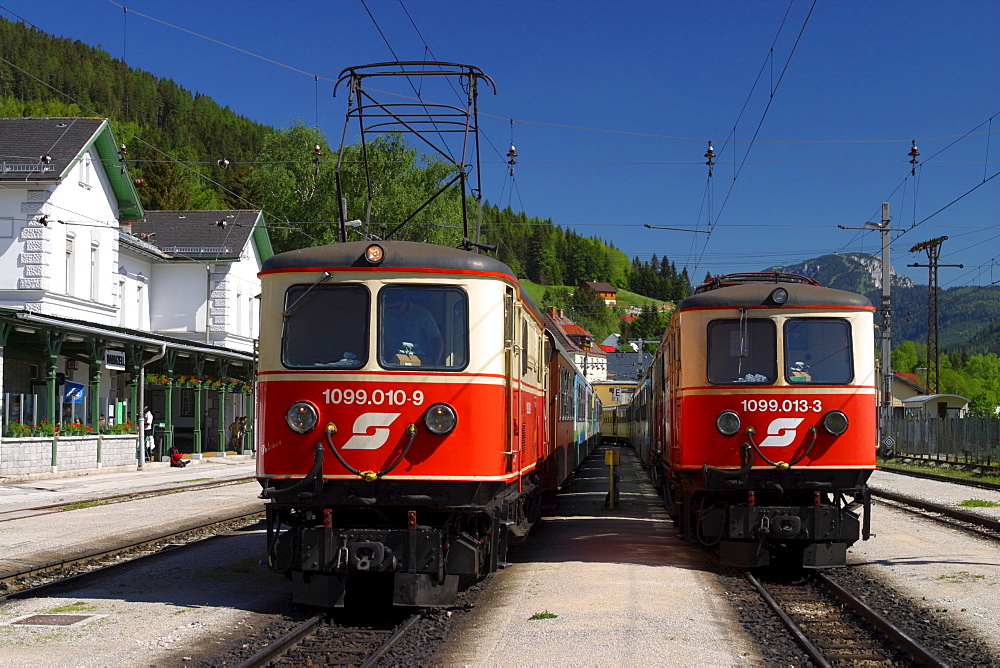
(599, 586)
(31, 537)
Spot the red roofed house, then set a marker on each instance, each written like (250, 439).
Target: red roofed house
(579, 343)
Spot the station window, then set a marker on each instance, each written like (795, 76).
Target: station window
(742, 352)
(325, 326)
(818, 351)
(424, 326)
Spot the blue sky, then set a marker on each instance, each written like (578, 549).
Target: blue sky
(613, 104)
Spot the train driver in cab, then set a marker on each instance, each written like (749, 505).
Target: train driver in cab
(410, 334)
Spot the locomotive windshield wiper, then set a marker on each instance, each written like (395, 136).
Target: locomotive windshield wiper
(322, 279)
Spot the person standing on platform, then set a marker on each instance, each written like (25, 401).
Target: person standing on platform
(147, 430)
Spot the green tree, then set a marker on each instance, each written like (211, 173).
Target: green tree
(294, 190)
(906, 358)
(648, 326)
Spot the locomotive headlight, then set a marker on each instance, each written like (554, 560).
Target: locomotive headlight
(728, 423)
(302, 417)
(374, 254)
(440, 419)
(835, 423)
(779, 296)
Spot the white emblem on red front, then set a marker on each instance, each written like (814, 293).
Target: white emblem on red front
(781, 432)
(371, 431)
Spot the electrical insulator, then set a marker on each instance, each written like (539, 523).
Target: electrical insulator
(913, 157)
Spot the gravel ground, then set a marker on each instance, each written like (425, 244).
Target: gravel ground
(618, 586)
(622, 586)
(949, 572)
(187, 608)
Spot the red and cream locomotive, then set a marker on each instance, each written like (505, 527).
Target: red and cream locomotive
(403, 396)
(758, 418)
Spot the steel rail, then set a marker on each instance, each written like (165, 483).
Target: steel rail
(66, 506)
(814, 652)
(894, 633)
(390, 642)
(953, 513)
(942, 478)
(63, 564)
(265, 656)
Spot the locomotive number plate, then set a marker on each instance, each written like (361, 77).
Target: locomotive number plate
(374, 398)
(783, 405)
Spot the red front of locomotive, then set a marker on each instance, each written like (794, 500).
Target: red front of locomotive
(833, 430)
(770, 400)
(796, 385)
(448, 430)
(401, 418)
(335, 373)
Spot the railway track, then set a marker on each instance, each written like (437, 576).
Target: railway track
(31, 580)
(319, 642)
(972, 522)
(834, 627)
(65, 506)
(979, 484)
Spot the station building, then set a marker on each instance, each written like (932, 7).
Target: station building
(106, 307)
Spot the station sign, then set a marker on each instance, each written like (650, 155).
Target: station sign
(114, 360)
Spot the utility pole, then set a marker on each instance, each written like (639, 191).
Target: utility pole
(885, 414)
(933, 248)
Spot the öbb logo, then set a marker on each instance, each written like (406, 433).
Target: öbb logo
(371, 431)
(781, 432)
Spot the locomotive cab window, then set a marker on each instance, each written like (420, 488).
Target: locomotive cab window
(742, 352)
(423, 326)
(818, 351)
(325, 326)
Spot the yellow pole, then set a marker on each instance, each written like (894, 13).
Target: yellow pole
(612, 458)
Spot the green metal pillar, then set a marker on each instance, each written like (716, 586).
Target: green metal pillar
(199, 370)
(248, 410)
(168, 417)
(53, 345)
(197, 417)
(170, 361)
(223, 372)
(97, 348)
(223, 441)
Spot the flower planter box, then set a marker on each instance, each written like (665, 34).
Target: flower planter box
(29, 455)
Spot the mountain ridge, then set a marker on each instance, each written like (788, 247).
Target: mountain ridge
(967, 315)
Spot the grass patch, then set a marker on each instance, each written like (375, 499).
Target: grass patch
(964, 576)
(83, 504)
(624, 298)
(542, 615)
(79, 606)
(978, 503)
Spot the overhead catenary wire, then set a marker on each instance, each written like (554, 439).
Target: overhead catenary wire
(637, 133)
(984, 131)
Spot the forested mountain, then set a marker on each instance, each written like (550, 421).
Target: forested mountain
(967, 315)
(174, 137)
(177, 139)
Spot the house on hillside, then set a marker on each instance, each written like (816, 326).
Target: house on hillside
(607, 292)
(579, 344)
(105, 307)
